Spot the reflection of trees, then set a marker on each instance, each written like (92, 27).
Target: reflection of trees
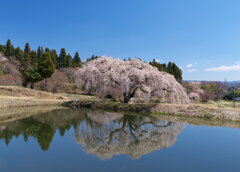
(101, 133)
(133, 135)
(30, 128)
(41, 127)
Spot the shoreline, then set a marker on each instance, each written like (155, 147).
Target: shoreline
(185, 110)
(16, 113)
(194, 114)
(12, 102)
(11, 97)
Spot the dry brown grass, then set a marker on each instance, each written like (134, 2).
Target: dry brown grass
(12, 96)
(79, 97)
(26, 92)
(10, 101)
(222, 104)
(200, 110)
(16, 113)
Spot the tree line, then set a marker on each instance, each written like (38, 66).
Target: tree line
(171, 68)
(37, 65)
(232, 94)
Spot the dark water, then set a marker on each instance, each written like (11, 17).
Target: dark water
(69, 140)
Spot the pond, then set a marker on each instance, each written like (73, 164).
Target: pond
(90, 141)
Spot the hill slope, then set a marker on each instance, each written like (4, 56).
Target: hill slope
(12, 96)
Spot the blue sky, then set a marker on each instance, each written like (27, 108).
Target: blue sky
(201, 36)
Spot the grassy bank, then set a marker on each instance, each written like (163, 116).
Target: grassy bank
(221, 104)
(11, 96)
(197, 120)
(21, 97)
(206, 111)
(198, 110)
(111, 106)
(16, 113)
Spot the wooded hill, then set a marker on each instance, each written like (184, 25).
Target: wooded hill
(37, 65)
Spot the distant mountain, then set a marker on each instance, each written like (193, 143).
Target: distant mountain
(229, 83)
(233, 82)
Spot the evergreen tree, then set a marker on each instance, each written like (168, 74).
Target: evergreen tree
(25, 63)
(9, 50)
(32, 75)
(93, 57)
(77, 61)
(46, 66)
(27, 49)
(62, 60)
(69, 61)
(177, 72)
(2, 48)
(54, 58)
(161, 67)
(47, 50)
(232, 94)
(27, 55)
(40, 52)
(171, 68)
(18, 54)
(34, 59)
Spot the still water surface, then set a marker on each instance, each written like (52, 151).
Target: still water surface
(80, 140)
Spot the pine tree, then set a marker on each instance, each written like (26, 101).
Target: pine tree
(47, 50)
(2, 48)
(27, 55)
(25, 63)
(34, 59)
(18, 54)
(77, 61)
(40, 52)
(62, 60)
(177, 72)
(9, 50)
(171, 68)
(69, 61)
(32, 75)
(46, 67)
(27, 49)
(93, 57)
(54, 58)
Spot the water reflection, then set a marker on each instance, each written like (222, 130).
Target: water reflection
(128, 134)
(41, 127)
(103, 134)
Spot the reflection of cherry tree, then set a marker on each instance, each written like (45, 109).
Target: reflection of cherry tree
(128, 134)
